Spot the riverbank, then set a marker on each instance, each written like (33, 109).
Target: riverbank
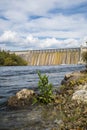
(72, 101)
(41, 117)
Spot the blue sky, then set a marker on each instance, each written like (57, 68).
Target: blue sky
(42, 24)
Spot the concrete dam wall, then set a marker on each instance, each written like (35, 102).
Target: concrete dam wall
(52, 56)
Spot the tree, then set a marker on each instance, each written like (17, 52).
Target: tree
(84, 57)
(1, 60)
(9, 62)
(7, 59)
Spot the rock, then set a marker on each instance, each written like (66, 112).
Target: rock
(58, 121)
(63, 82)
(24, 94)
(82, 87)
(13, 101)
(22, 98)
(74, 74)
(80, 96)
(74, 92)
(69, 77)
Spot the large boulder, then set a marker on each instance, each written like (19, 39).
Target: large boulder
(80, 94)
(24, 94)
(71, 76)
(22, 98)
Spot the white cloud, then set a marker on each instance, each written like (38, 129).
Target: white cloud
(72, 43)
(8, 36)
(31, 39)
(37, 6)
(15, 16)
(30, 42)
(68, 3)
(26, 32)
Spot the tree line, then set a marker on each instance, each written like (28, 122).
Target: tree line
(84, 57)
(7, 59)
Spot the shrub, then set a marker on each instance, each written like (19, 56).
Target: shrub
(45, 89)
(7, 59)
(84, 57)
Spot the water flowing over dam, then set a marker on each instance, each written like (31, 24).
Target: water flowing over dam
(52, 56)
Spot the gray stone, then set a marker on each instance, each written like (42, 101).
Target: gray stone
(67, 76)
(24, 94)
(82, 87)
(80, 96)
(22, 98)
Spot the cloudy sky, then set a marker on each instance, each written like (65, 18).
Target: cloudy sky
(42, 24)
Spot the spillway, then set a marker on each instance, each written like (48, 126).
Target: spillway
(51, 56)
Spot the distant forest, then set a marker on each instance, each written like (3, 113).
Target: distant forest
(7, 59)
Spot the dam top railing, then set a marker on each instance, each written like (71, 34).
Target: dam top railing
(49, 50)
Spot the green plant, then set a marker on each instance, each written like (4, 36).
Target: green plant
(8, 59)
(45, 89)
(84, 57)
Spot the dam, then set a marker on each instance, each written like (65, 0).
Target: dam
(52, 56)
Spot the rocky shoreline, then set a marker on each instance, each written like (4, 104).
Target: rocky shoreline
(73, 101)
(70, 99)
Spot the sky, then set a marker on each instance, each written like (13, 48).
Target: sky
(42, 24)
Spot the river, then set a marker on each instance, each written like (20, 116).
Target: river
(15, 78)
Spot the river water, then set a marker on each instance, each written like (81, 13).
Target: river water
(13, 79)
